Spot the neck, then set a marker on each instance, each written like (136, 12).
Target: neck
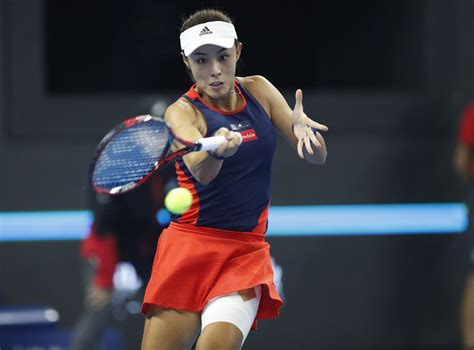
(228, 102)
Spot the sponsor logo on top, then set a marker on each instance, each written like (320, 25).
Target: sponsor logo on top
(241, 125)
(248, 135)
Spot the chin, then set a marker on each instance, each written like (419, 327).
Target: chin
(218, 94)
(225, 91)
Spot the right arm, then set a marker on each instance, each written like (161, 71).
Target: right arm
(185, 123)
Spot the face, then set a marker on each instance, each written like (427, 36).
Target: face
(213, 69)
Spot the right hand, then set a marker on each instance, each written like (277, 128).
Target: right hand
(228, 148)
(97, 297)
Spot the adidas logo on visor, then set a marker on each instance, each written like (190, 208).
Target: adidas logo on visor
(205, 31)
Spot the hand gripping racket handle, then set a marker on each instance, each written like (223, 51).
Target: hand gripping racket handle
(209, 143)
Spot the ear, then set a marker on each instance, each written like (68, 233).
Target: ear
(185, 60)
(238, 49)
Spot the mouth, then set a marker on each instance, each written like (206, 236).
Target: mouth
(216, 84)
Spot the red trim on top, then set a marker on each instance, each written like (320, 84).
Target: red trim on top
(192, 94)
(262, 222)
(191, 215)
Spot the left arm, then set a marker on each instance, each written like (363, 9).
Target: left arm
(294, 125)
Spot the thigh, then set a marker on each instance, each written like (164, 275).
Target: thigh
(170, 329)
(226, 320)
(220, 336)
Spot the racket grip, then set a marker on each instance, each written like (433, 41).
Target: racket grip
(210, 143)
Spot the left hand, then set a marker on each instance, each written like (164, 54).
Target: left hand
(228, 148)
(303, 127)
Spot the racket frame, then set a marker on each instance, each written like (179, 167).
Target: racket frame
(189, 147)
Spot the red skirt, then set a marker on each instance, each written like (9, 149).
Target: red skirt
(196, 264)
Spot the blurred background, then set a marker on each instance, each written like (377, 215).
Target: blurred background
(390, 79)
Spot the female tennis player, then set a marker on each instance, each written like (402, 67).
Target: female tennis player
(212, 276)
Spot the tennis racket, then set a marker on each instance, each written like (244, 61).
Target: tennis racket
(132, 151)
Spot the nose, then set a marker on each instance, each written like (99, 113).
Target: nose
(215, 68)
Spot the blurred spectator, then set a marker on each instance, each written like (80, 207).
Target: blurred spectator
(464, 167)
(125, 229)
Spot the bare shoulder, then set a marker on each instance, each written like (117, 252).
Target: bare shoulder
(180, 109)
(182, 112)
(255, 83)
(260, 88)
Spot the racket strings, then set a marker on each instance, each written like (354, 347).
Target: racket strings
(131, 155)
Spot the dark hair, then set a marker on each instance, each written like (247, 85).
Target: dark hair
(203, 16)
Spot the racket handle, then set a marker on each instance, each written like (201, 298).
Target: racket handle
(210, 143)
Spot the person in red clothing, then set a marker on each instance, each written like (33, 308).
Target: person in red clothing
(124, 229)
(464, 167)
(463, 154)
(212, 275)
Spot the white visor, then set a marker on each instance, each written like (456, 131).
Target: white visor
(210, 33)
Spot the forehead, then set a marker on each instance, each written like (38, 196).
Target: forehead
(210, 50)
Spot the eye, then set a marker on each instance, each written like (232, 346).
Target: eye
(224, 57)
(201, 61)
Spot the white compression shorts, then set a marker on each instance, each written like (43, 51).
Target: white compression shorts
(233, 309)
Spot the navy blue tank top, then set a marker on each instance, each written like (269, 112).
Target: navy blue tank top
(238, 198)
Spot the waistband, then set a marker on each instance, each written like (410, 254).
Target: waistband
(215, 232)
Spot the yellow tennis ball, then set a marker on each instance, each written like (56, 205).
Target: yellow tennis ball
(178, 200)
